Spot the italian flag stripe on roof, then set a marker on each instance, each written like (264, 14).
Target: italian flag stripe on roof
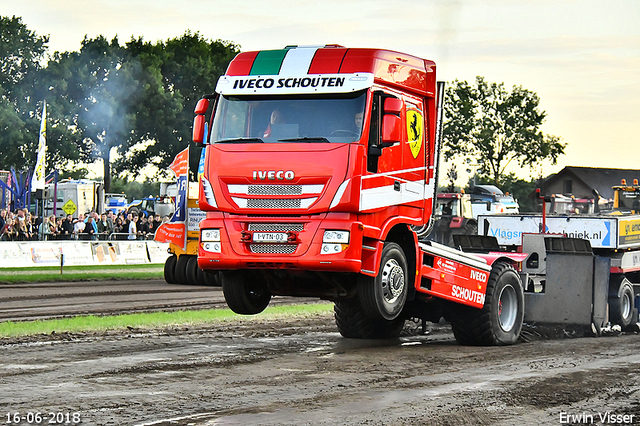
(291, 60)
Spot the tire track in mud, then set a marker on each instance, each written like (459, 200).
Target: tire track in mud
(20, 302)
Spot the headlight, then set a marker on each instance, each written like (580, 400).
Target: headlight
(336, 237)
(210, 235)
(334, 242)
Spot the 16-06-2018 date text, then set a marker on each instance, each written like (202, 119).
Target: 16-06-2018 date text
(42, 418)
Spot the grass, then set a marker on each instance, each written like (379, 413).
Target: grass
(81, 273)
(92, 323)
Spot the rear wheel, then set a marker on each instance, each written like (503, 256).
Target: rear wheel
(170, 269)
(383, 297)
(211, 278)
(621, 305)
(244, 294)
(353, 323)
(192, 271)
(181, 269)
(499, 322)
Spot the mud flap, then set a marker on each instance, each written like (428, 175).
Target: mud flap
(575, 290)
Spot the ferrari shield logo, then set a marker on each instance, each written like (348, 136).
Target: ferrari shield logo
(414, 132)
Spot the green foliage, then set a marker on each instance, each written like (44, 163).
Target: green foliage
(136, 99)
(158, 319)
(495, 128)
(185, 68)
(21, 51)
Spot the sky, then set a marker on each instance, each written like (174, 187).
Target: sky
(582, 57)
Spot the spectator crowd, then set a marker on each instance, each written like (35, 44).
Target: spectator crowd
(22, 225)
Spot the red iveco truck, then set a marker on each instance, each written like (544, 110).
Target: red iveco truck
(320, 173)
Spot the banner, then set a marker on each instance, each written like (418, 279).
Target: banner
(37, 181)
(175, 231)
(49, 253)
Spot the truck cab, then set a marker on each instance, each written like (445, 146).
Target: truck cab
(319, 161)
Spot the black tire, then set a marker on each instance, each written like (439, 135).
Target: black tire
(244, 294)
(211, 278)
(353, 323)
(192, 271)
(383, 297)
(170, 269)
(470, 228)
(622, 304)
(181, 269)
(499, 322)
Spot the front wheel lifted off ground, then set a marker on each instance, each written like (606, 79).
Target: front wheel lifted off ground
(499, 322)
(244, 293)
(383, 297)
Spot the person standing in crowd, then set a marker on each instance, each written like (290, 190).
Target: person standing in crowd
(59, 227)
(110, 218)
(143, 227)
(54, 226)
(105, 228)
(133, 231)
(29, 227)
(90, 229)
(78, 226)
(20, 230)
(117, 226)
(3, 218)
(8, 231)
(153, 225)
(67, 227)
(44, 233)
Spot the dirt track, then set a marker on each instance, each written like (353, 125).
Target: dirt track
(300, 371)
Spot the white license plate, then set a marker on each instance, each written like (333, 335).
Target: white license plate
(269, 237)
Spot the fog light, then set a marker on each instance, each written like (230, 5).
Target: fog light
(213, 247)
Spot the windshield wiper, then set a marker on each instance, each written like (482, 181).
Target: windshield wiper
(305, 139)
(242, 140)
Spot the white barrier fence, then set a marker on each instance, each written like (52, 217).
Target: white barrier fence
(50, 253)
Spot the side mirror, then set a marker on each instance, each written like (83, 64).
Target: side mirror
(199, 125)
(392, 122)
(199, 122)
(202, 106)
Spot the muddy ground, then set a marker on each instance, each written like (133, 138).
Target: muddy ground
(300, 371)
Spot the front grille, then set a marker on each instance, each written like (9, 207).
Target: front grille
(274, 190)
(275, 227)
(273, 248)
(254, 203)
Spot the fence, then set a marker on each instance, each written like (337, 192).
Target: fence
(74, 252)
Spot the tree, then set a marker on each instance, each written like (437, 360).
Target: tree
(101, 91)
(186, 67)
(496, 128)
(21, 52)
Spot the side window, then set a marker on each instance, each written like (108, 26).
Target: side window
(375, 145)
(374, 134)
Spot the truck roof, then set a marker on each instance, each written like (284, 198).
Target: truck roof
(388, 67)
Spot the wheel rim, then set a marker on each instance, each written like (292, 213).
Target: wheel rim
(625, 305)
(507, 308)
(392, 281)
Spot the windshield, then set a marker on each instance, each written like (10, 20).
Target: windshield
(630, 200)
(447, 207)
(319, 118)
